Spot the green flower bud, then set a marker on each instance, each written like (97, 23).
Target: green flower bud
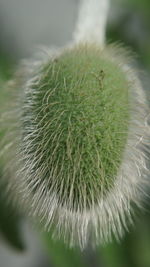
(83, 136)
(78, 110)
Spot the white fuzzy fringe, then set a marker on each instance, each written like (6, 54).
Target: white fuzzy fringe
(107, 218)
(113, 212)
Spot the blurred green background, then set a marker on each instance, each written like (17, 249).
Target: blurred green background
(129, 23)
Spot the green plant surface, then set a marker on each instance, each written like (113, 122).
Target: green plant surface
(81, 105)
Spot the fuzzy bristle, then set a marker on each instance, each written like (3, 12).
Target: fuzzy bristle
(78, 112)
(81, 143)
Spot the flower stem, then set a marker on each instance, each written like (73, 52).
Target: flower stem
(91, 23)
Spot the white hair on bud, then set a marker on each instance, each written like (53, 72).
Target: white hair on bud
(111, 214)
(91, 22)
